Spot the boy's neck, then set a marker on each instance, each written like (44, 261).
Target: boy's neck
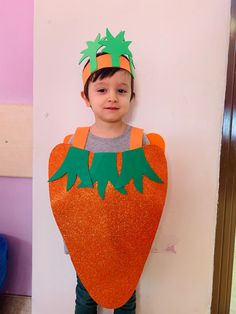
(108, 130)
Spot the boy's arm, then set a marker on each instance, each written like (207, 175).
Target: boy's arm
(145, 140)
(65, 248)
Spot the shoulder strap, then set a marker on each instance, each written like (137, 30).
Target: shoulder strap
(81, 134)
(136, 138)
(80, 137)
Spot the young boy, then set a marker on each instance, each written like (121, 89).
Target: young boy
(102, 225)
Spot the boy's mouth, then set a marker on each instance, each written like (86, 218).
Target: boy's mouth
(112, 108)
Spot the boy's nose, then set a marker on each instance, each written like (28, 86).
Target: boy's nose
(112, 96)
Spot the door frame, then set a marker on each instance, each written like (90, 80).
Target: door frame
(226, 214)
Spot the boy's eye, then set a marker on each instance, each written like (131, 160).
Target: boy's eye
(121, 90)
(101, 90)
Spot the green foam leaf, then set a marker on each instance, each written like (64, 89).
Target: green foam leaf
(75, 165)
(116, 46)
(91, 52)
(134, 167)
(104, 169)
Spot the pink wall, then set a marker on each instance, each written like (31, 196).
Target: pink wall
(16, 81)
(16, 53)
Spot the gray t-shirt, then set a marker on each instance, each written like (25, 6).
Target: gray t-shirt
(115, 144)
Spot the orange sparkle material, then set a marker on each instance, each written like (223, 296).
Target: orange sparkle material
(109, 240)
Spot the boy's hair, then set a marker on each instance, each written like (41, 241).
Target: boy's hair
(103, 73)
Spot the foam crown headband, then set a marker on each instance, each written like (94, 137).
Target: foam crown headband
(115, 53)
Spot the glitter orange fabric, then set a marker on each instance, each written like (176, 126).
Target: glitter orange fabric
(109, 240)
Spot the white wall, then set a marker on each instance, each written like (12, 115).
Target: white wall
(180, 50)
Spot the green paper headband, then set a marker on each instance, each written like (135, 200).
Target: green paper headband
(115, 51)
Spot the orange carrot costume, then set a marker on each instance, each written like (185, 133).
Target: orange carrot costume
(108, 207)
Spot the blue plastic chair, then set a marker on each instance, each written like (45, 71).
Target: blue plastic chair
(3, 259)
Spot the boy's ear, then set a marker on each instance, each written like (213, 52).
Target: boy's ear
(85, 99)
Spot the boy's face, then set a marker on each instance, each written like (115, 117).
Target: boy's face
(109, 98)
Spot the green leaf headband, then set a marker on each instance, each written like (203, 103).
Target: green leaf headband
(115, 51)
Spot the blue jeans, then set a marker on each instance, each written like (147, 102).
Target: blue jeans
(84, 304)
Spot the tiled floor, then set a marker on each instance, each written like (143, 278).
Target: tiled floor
(12, 304)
